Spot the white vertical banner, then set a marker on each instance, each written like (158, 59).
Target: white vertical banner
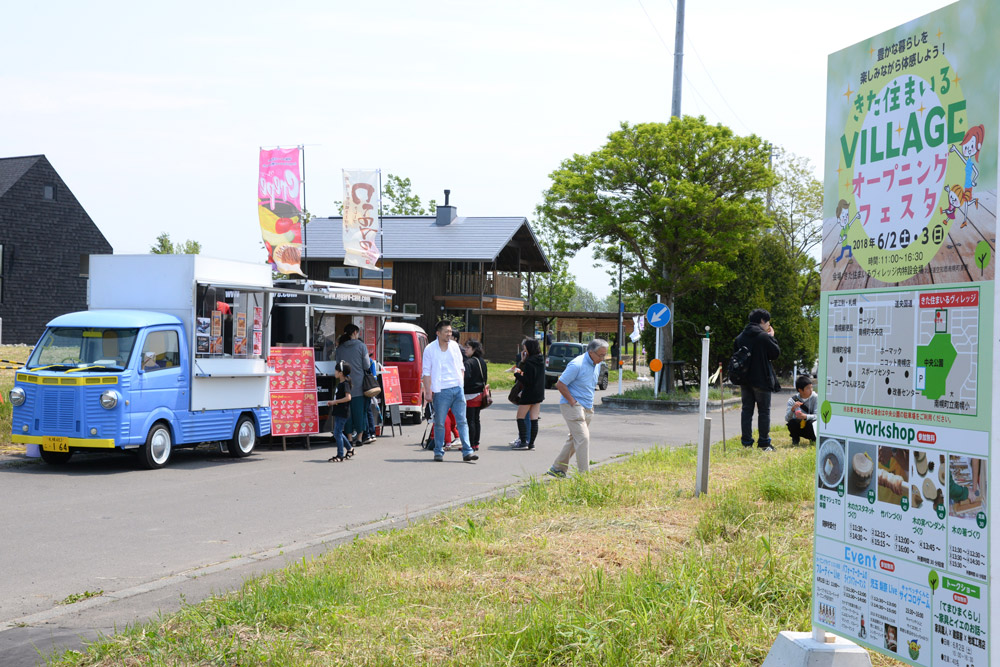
(361, 220)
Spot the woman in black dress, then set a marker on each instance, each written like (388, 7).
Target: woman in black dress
(475, 382)
(531, 373)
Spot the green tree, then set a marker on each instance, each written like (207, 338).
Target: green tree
(796, 212)
(397, 199)
(585, 301)
(163, 246)
(674, 202)
(768, 278)
(553, 290)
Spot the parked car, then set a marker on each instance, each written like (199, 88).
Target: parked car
(561, 354)
(404, 348)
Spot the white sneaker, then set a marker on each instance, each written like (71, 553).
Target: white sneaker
(515, 443)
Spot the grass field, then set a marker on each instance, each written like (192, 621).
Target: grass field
(622, 566)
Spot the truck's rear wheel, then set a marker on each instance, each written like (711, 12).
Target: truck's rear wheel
(56, 458)
(244, 438)
(159, 445)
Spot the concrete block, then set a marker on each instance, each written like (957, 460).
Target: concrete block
(799, 649)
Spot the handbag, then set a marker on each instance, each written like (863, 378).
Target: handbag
(369, 386)
(515, 393)
(485, 398)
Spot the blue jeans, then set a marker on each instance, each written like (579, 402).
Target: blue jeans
(761, 398)
(339, 437)
(452, 398)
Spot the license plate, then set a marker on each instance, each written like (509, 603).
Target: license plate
(52, 443)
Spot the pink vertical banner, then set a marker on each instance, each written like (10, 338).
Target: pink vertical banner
(361, 221)
(279, 207)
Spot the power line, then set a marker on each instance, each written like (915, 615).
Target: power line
(690, 42)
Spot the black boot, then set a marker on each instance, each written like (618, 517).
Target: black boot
(522, 435)
(534, 434)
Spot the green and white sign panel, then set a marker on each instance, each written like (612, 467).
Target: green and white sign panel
(904, 505)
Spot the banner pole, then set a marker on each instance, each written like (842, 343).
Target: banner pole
(381, 231)
(302, 184)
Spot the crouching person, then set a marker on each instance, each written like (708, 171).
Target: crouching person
(800, 415)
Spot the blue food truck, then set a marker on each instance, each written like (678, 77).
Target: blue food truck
(171, 353)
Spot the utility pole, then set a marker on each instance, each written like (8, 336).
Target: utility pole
(675, 112)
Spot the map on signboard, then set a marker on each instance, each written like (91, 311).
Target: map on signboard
(910, 349)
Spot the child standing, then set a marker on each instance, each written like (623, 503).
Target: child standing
(341, 411)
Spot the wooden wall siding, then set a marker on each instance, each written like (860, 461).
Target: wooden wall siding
(509, 304)
(419, 282)
(502, 336)
(42, 244)
(580, 324)
(375, 282)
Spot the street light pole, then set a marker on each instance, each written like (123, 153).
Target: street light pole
(621, 327)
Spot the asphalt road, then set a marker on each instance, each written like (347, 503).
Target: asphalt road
(150, 539)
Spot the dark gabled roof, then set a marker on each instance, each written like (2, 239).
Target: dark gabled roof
(507, 241)
(13, 168)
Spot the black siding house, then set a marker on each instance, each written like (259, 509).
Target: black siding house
(46, 239)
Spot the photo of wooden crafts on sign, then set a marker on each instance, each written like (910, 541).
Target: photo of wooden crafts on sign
(966, 486)
(928, 470)
(893, 474)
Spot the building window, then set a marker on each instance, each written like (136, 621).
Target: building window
(49, 192)
(84, 266)
(341, 272)
(375, 275)
(409, 309)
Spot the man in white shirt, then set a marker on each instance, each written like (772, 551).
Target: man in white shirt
(444, 381)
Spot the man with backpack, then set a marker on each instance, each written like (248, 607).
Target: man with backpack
(750, 367)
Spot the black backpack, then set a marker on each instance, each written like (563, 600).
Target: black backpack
(739, 365)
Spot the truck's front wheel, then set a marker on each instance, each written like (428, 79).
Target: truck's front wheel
(159, 444)
(244, 438)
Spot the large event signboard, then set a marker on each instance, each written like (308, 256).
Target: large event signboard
(903, 534)
(294, 410)
(390, 383)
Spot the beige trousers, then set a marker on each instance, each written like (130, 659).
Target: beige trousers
(578, 420)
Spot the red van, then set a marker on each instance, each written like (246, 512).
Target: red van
(403, 347)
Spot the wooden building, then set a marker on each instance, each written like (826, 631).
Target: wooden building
(443, 265)
(46, 239)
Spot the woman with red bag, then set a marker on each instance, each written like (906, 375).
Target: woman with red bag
(475, 383)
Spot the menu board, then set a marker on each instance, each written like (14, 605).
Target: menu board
(391, 387)
(907, 392)
(294, 409)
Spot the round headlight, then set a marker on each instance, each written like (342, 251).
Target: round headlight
(109, 399)
(17, 396)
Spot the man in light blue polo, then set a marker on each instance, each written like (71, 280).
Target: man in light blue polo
(576, 384)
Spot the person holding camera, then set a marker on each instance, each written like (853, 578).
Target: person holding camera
(761, 381)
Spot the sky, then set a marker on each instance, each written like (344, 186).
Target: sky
(154, 114)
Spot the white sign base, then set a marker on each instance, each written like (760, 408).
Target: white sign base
(799, 649)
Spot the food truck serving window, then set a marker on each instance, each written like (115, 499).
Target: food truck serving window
(83, 348)
(229, 323)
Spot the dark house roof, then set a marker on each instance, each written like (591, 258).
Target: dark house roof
(13, 168)
(507, 241)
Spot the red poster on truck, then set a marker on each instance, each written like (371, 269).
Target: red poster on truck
(294, 410)
(390, 384)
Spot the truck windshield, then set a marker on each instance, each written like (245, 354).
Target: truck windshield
(81, 348)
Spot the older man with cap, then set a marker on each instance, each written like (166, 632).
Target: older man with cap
(577, 384)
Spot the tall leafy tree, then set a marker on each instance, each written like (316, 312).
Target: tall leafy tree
(553, 290)
(164, 246)
(795, 206)
(674, 202)
(398, 199)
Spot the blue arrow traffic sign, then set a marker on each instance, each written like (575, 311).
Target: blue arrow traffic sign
(658, 315)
